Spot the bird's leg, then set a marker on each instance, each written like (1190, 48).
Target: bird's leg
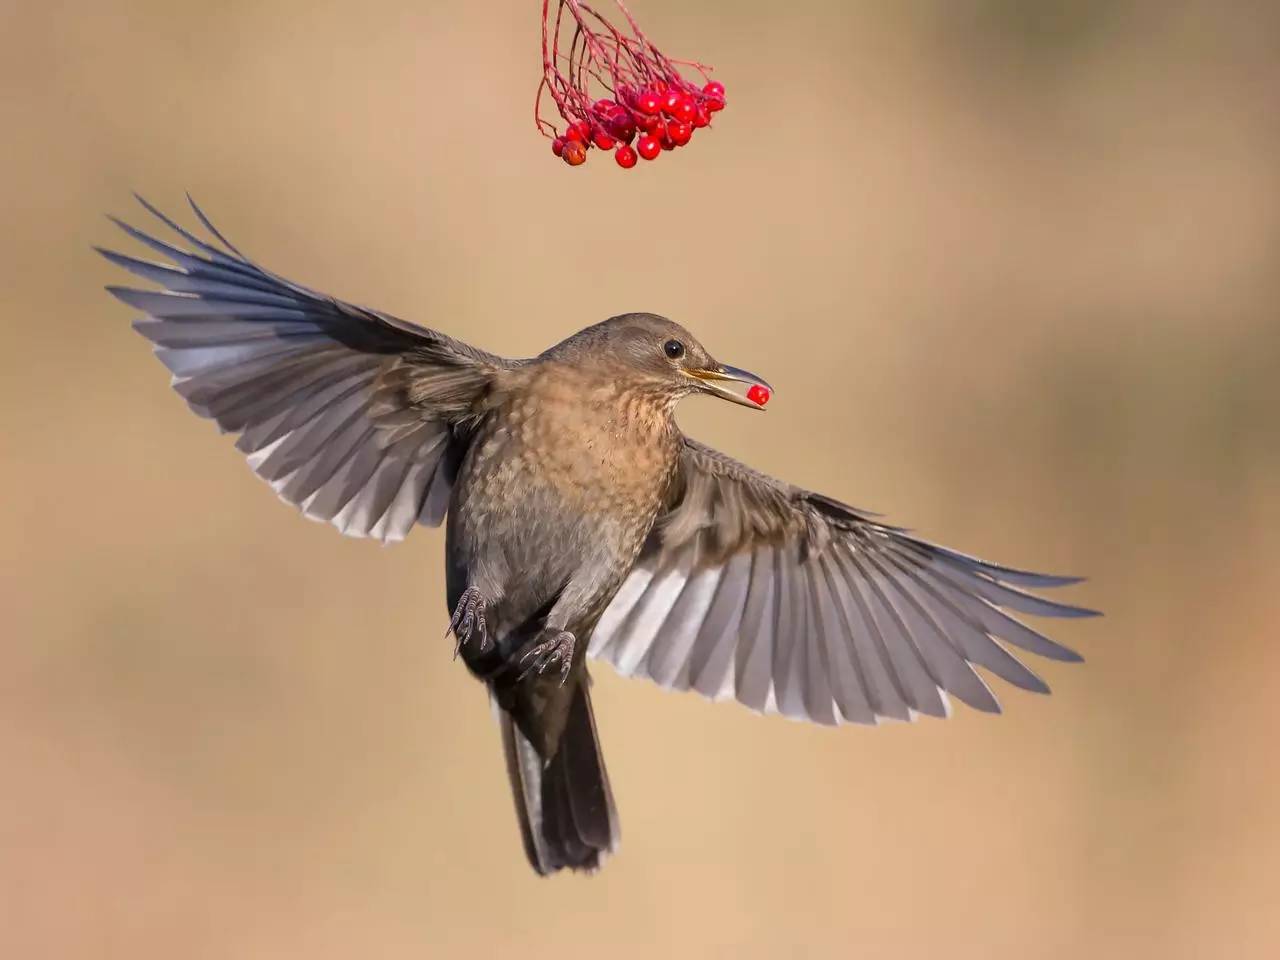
(468, 620)
(556, 650)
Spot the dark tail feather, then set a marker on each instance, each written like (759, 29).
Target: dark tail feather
(565, 806)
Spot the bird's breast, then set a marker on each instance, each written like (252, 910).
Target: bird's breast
(562, 483)
(600, 450)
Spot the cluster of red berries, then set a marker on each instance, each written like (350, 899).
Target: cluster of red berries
(662, 116)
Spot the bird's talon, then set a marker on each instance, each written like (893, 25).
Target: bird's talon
(468, 621)
(557, 651)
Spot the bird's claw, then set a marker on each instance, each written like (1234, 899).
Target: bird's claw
(468, 620)
(556, 650)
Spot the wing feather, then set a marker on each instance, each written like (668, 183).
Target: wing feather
(754, 659)
(792, 601)
(354, 416)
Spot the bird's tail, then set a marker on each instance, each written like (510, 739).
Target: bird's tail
(564, 804)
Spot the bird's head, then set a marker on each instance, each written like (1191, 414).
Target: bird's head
(649, 353)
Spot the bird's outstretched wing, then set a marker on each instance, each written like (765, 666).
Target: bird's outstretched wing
(791, 601)
(356, 417)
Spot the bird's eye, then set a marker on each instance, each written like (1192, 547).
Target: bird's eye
(673, 349)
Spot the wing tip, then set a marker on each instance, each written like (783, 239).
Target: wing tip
(123, 294)
(152, 209)
(1047, 581)
(1031, 681)
(1067, 611)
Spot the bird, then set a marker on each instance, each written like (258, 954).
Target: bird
(581, 522)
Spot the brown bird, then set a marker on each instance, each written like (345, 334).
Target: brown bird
(581, 521)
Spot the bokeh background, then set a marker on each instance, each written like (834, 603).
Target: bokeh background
(1014, 268)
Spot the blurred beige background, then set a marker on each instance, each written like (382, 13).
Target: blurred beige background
(1013, 267)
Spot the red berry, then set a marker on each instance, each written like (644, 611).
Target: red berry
(557, 146)
(702, 116)
(607, 113)
(679, 131)
(580, 131)
(685, 109)
(648, 146)
(650, 123)
(619, 125)
(715, 90)
(603, 140)
(625, 156)
(671, 102)
(648, 102)
(758, 395)
(713, 104)
(574, 153)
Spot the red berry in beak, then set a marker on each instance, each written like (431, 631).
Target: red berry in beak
(625, 156)
(758, 395)
(648, 146)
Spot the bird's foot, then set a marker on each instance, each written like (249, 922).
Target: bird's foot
(468, 621)
(557, 650)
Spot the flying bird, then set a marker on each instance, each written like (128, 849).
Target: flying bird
(581, 522)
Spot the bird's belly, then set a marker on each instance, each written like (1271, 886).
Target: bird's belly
(522, 526)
